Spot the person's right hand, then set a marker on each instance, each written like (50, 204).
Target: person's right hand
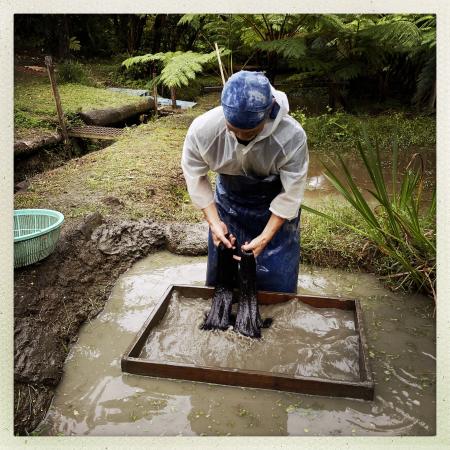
(218, 232)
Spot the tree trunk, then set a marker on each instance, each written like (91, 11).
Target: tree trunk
(155, 94)
(121, 27)
(174, 37)
(432, 99)
(63, 47)
(383, 85)
(158, 26)
(90, 36)
(272, 66)
(134, 32)
(173, 95)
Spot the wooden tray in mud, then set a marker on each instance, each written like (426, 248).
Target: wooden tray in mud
(363, 388)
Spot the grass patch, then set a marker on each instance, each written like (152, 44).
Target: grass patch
(34, 106)
(328, 244)
(335, 131)
(142, 170)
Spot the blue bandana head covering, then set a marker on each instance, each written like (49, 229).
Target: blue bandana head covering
(246, 99)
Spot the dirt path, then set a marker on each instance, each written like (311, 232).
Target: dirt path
(54, 297)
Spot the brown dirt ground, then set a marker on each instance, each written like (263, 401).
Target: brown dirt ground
(54, 297)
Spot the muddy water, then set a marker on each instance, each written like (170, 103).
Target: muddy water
(96, 398)
(318, 188)
(302, 340)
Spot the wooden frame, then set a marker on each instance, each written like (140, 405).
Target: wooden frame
(364, 388)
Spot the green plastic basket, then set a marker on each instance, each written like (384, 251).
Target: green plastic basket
(36, 232)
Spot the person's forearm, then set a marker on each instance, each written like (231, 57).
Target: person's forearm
(210, 213)
(259, 243)
(273, 225)
(219, 229)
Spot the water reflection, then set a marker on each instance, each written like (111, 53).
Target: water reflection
(318, 186)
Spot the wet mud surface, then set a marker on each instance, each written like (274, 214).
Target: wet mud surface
(96, 398)
(53, 298)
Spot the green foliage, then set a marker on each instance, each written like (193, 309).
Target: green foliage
(179, 68)
(34, 106)
(400, 227)
(72, 72)
(74, 44)
(326, 243)
(288, 48)
(344, 47)
(336, 131)
(256, 28)
(425, 55)
(394, 33)
(23, 119)
(223, 29)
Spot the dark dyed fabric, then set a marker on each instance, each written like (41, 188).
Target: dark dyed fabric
(243, 204)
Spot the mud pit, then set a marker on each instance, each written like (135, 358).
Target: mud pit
(54, 297)
(96, 398)
(302, 340)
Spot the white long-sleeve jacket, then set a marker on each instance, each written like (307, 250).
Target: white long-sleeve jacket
(280, 148)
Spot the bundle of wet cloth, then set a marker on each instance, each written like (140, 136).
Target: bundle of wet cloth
(231, 273)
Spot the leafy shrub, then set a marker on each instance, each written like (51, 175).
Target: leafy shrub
(339, 130)
(399, 226)
(72, 72)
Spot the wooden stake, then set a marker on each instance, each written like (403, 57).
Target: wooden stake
(220, 63)
(155, 94)
(51, 75)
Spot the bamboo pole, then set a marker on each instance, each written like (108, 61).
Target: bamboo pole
(220, 63)
(51, 75)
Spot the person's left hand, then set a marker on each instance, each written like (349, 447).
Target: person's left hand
(257, 245)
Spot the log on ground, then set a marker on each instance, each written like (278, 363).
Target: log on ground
(110, 116)
(24, 146)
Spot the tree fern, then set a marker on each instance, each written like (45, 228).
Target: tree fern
(425, 82)
(179, 68)
(223, 29)
(194, 20)
(396, 34)
(289, 48)
(349, 71)
(333, 23)
(183, 67)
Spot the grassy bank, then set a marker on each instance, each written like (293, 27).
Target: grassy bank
(139, 176)
(335, 132)
(141, 170)
(34, 106)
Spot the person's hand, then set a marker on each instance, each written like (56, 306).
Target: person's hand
(257, 245)
(218, 232)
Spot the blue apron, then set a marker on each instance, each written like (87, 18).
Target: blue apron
(243, 205)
